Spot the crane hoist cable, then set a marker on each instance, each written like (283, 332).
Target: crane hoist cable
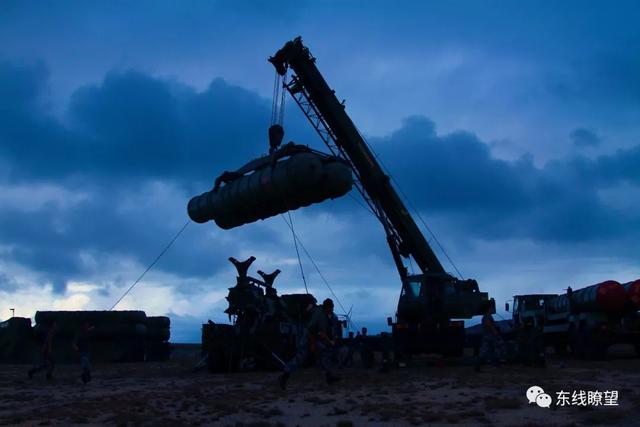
(276, 133)
(278, 101)
(295, 235)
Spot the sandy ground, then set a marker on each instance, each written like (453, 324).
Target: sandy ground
(171, 394)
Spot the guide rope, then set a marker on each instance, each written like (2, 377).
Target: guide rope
(296, 237)
(295, 244)
(151, 265)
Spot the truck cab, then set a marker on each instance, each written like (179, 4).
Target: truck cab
(529, 310)
(430, 312)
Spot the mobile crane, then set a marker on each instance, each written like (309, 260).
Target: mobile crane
(429, 302)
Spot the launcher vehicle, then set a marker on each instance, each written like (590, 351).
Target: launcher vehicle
(265, 329)
(587, 321)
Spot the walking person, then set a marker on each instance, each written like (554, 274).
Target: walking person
(82, 345)
(319, 334)
(46, 353)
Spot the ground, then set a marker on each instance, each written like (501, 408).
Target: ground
(171, 393)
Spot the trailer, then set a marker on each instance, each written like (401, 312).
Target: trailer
(586, 321)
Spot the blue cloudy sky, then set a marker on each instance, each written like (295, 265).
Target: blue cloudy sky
(513, 127)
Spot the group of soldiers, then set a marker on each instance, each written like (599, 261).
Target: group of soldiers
(81, 345)
(322, 337)
(323, 334)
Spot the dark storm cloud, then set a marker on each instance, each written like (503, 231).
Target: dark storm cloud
(582, 137)
(127, 131)
(456, 175)
(31, 141)
(130, 125)
(131, 130)
(623, 166)
(54, 241)
(502, 70)
(605, 79)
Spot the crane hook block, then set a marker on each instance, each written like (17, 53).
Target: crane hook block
(276, 133)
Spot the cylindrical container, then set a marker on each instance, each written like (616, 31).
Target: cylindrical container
(633, 293)
(289, 184)
(107, 324)
(608, 296)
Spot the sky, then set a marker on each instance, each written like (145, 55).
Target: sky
(512, 127)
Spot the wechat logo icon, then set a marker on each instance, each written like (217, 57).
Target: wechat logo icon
(536, 394)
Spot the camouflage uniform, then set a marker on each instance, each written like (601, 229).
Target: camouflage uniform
(48, 362)
(319, 323)
(302, 350)
(323, 327)
(492, 347)
(82, 343)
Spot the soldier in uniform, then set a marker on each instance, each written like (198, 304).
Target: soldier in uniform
(366, 354)
(320, 333)
(82, 345)
(492, 347)
(46, 352)
(531, 344)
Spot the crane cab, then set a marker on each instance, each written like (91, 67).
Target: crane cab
(426, 307)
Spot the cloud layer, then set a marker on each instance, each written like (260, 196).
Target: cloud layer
(535, 159)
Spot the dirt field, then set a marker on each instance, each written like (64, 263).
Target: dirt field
(171, 394)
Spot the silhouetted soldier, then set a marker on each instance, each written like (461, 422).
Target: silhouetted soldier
(531, 343)
(46, 352)
(320, 334)
(82, 345)
(492, 346)
(346, 351)
(302, 350)
(366, 354)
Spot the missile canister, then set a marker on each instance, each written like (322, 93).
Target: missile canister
(291, 183)
(633, 293)
(608, 296)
